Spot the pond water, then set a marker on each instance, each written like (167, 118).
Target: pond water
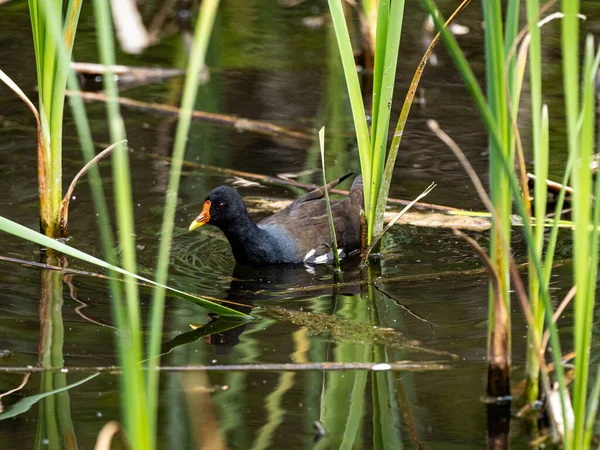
(428, 303)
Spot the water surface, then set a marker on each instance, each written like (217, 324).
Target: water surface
(430, 288)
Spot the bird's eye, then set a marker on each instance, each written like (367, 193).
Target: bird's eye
(221, 205)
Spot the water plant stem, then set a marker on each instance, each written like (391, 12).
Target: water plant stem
(334, 247)
(135, 405)
(52, 61)
(202, 34)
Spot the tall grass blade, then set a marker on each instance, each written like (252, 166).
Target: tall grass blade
(52, 67)
(497, 91)
(540, 156)
(202, 34)
(354, 92)
(589, 110)
(490, 122)
(135, 405)
(592, 412)
(25, 404)
(384, 92)
(334, 247)
(63, 49)
(585, 244)
(399, 130)
(20, 231)
(382, 13)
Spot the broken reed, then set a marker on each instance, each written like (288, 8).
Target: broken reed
(580, 118)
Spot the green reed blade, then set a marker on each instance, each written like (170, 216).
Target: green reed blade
(400, 125)
(540, 143)
(134, 407)
(386, 410)
(18, 230)
(63, 49)
(381, 122)
(334, 247)
(356, 101)
(25, 403)
(50, 159)
(383, 14)
(495, 135)
(589, 109)
(570, 66)
(585, 245)
(511, 29)
(592, 411)
(202, 34)
(87, 147)
(499, 192)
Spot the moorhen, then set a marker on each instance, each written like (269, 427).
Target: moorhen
(298, 233)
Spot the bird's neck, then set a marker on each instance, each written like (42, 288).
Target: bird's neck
(247, 240)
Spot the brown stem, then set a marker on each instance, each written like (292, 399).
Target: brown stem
(407, 366)
(238, 123)
(44, 193)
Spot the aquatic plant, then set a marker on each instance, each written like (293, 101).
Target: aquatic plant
(140, 391)
(372, 145)
(52, 67)
(575, 427)
(377, 160)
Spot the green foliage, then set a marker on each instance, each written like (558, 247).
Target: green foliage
(334, 247)
(372, 146)
(580, 118)
(202, 34)
(53, 55)
(25, 404)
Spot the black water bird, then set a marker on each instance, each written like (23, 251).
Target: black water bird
(298, 233)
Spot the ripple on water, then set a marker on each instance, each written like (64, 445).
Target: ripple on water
(202, 259)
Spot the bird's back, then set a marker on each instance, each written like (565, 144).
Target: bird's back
(305, 222)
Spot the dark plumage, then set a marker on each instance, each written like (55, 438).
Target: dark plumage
(296, 234)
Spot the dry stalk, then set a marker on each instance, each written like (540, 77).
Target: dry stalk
(63, 212)
(238, 123)
(106, 435)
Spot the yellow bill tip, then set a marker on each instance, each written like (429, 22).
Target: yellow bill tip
(203, 218)
(195, 224)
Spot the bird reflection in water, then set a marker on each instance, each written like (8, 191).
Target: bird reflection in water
(269, 286)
